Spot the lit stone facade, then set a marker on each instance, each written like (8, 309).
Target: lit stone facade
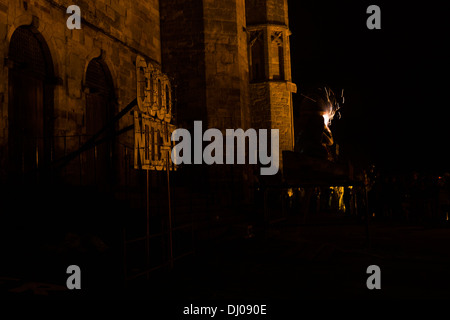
(271, 84)
(228, 62)
(113, 33)
(235, 60)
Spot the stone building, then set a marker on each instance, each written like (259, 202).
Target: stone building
(75, 79)
(231, 61)
(271, 84)
(226, 63)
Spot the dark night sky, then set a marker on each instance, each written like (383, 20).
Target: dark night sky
(396, 109)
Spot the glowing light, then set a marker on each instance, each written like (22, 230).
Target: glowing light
(373, 214)
(446, 217)
(339, 193)
(290, 192)
(326, 119)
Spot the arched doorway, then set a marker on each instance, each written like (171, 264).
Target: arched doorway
(30, 107)
(100, 107)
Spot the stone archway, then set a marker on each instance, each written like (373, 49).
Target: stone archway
(100, 108)
(30, 105)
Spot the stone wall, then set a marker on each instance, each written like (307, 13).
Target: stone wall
(271, 102)
(201, 44)
(281, 113)
(256, 11)
(271, 97)
(183, 56)
(277, 12)
(226, 58)
(267, 11)
(117, 31)
(204, 45)
(227, 92)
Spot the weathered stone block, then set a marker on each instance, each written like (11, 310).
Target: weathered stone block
(3, 30)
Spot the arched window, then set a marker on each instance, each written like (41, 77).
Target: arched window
(30, 106)
(277, 56)
(100, 107)
(257, 65)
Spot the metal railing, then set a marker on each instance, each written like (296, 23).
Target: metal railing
(80, 159)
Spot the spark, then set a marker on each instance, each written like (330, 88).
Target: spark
(308, 97)
(326, 119)
(328, 96)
